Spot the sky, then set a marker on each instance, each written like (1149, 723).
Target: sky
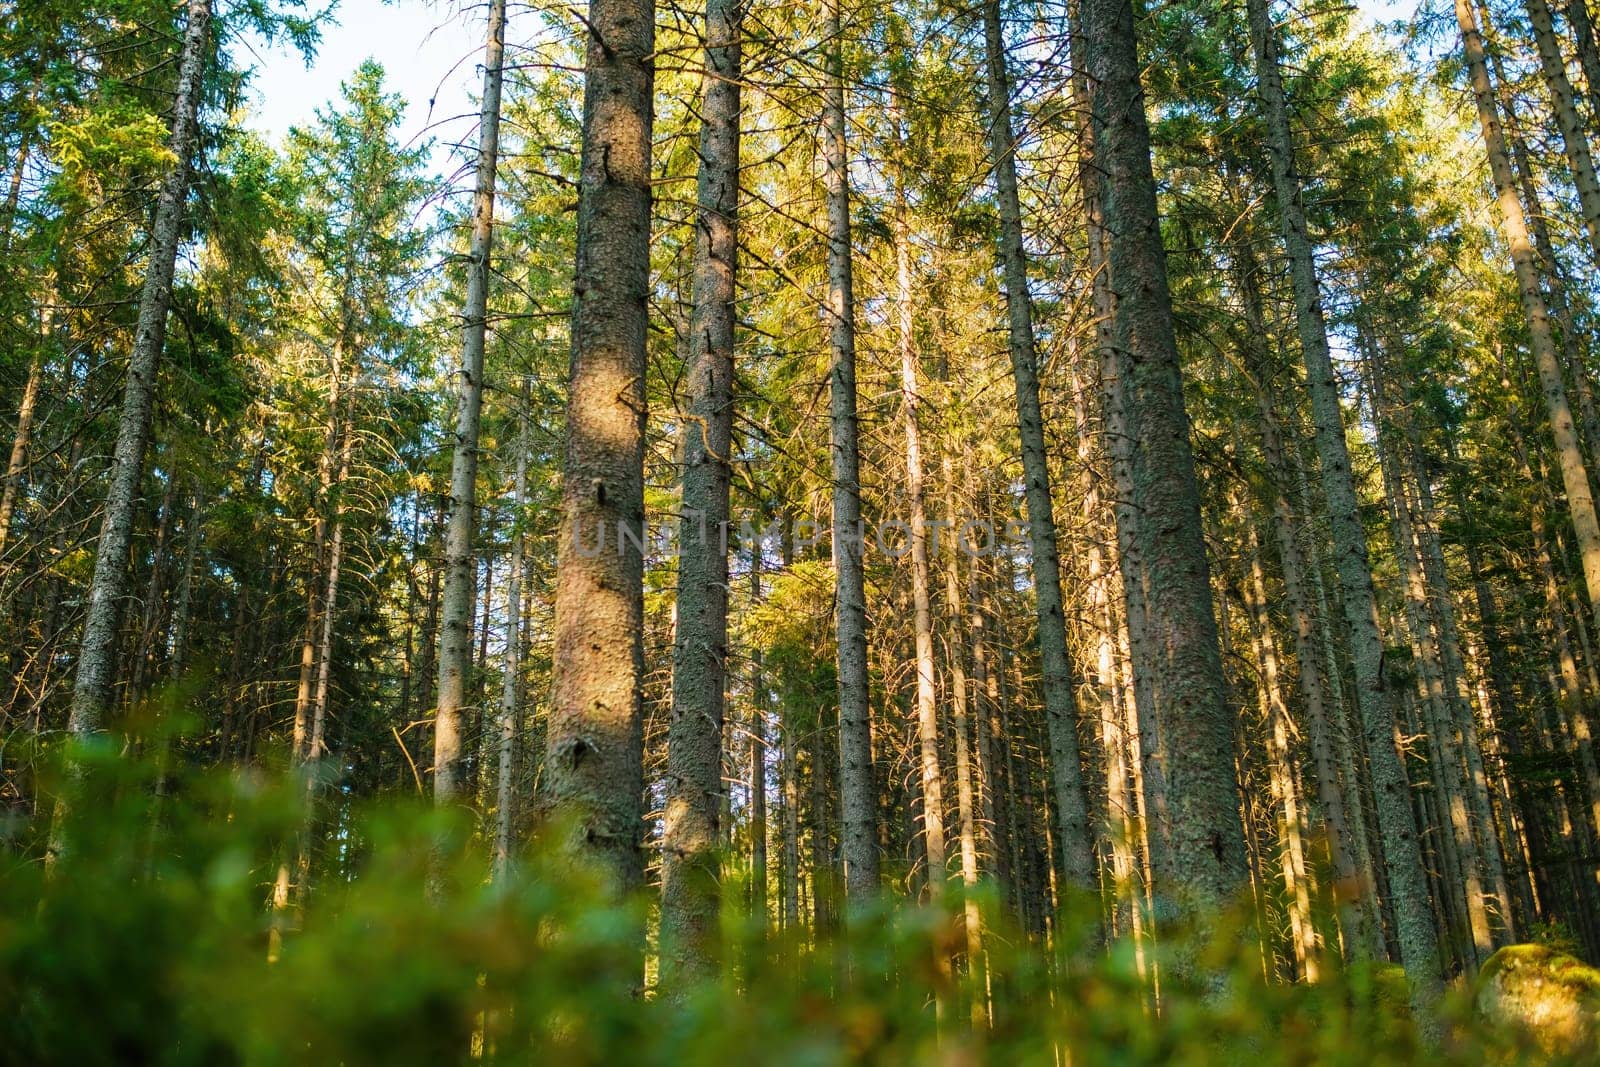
(429, 50)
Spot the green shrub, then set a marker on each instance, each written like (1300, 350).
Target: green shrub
(147, 941)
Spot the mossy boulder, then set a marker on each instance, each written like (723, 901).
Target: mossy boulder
(1545, 996)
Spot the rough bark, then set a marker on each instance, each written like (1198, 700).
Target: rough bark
(594, 761)
(1150, 780)
(1207, 838)
(91, 694)
(858, 801)
(693, 820)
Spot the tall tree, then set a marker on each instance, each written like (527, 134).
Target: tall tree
(1514, 225)
(1056, 681)
(508, 715)
(594, 771)
(91, 691)
(857, 789)
(460, 558)
(1574, 137)
(691, 833)
(1402, 853)
(1207, 838)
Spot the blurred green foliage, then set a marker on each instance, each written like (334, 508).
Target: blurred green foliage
(145, 939)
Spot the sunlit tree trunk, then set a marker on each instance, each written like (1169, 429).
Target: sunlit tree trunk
(1574, 137)
(991, 799)
(1281, 771)
(92, 688)
(1458, 684)
(1572, 347)
(927, 711)
(594, 760)
(17, 464)
(460, 556)
(1569, 452)
(857, 792)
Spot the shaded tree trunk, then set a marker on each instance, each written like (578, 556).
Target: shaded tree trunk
(1207, 838)
(1057, 683)
(693, 825)
(507, 719)
(1408, 884)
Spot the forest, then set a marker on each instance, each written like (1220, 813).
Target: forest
(885, 531)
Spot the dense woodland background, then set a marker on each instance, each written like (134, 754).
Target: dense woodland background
(1272, 333)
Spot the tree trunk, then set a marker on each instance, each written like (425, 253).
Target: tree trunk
(1555, 280)
(791, 824)
(460, 559)
(1588, 50)
(1280, 769)
(1196, 728)
(1149, 771)
(91, 694)
(1056, 676)
(506, 726)
(1428, 645)
(1569, 452)
(1574, 137)
(1402, 854)
(1444, 611)
(182, 608)
(927, 711)
(1352, 897)
(858, 800)
(968, 784)
(758, 764)
(18, 463)
(693, 823)
(594, 759)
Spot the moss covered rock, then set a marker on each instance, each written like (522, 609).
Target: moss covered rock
(1546, 996)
